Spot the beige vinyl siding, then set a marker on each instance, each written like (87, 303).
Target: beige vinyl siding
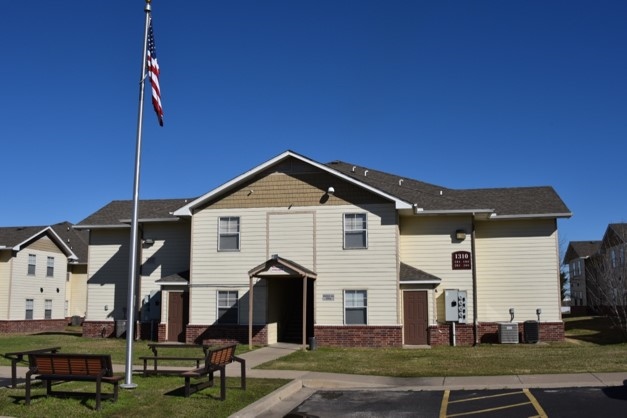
(6, 261)
(38, 287)
(169, 254)
(372, 269)
(45, 244)
(107, 282)
(517, 267)
(77, 291)
(427, 243)
(291, 236)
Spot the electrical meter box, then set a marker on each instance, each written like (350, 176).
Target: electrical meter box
(455, 305)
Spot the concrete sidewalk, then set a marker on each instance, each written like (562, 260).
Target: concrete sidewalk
(303, 383)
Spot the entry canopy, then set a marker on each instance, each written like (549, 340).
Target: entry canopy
(277, 267)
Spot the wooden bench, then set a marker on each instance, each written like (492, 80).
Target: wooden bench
(71, 367)
(216, 360)
(18, 356)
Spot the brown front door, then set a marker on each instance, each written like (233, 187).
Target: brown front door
(415, 317)
(177, 315)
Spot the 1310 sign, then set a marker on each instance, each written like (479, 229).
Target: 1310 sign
(461, 260)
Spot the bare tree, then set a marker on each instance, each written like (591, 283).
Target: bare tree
(606, 276)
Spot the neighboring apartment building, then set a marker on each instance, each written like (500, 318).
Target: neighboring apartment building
(294, 249)
(42, 277)
(578, 258)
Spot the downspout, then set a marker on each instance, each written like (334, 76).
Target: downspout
(474, 284)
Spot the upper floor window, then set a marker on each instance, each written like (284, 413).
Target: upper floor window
(356, 307)
(355, 230)
(48, 309)
(613, 257)
(228, 233)
(30, 304)
(228, 312)
(50, 267)
(32, 261)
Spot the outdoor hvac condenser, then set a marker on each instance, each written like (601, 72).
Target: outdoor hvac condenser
(508, 332)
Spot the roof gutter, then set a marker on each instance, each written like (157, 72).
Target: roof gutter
(528, 216)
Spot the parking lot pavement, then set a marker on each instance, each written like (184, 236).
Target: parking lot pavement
(607, 402)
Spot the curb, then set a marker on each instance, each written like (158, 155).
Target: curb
(264, 404)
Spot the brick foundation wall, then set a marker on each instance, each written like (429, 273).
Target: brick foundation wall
(32, 326)
(359, 336)
(99, 329)
(106, 329)
(489, 333)
(222, 334)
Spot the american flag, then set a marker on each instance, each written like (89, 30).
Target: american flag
(153, 73)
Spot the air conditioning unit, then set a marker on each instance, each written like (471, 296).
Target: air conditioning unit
(508, 332)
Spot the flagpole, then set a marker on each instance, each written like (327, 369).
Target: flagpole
(130, 323)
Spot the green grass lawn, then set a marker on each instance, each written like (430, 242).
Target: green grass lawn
(591, 345)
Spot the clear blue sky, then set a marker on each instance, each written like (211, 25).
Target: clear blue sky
(456, 93)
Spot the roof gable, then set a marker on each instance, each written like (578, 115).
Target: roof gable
(581, 249)
(247, 176)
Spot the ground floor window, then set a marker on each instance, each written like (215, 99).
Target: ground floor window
(48, 309)
(30, 304)
(355, 307)
(228, 310)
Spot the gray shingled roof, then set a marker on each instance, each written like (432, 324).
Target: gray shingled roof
(76, 241)
(118, 211)
(412, 274)
(504, 201)
(581, 249)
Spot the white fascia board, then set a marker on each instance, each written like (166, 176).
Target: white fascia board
(150, 220)
(101, 226)
(420, 211)
(420, 282)
(173, 283)
(187, 209)
(496, 217)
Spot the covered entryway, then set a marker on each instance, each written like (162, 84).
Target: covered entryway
(415, 317)
(417, 286)
(290, 299)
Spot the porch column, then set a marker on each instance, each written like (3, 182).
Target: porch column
(250, 313)
(304, 311)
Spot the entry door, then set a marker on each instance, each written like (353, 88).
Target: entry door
(415, 317)
(177, 316)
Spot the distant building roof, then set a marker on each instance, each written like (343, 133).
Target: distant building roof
(71, 241)
(581, 249)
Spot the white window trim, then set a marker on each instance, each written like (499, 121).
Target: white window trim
(34, 264)
(345, 306)
(218, 306)
(344, 231)
(239, 234)
(48, 266)
(32, 309)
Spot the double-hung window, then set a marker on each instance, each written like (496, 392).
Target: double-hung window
(228, 312)
(355, 231)
(50, 267)
(355, 307)
(30, 305)
(48, 309)
(32, 262)
(228, 233)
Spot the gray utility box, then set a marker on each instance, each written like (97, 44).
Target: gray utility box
(455, 303)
